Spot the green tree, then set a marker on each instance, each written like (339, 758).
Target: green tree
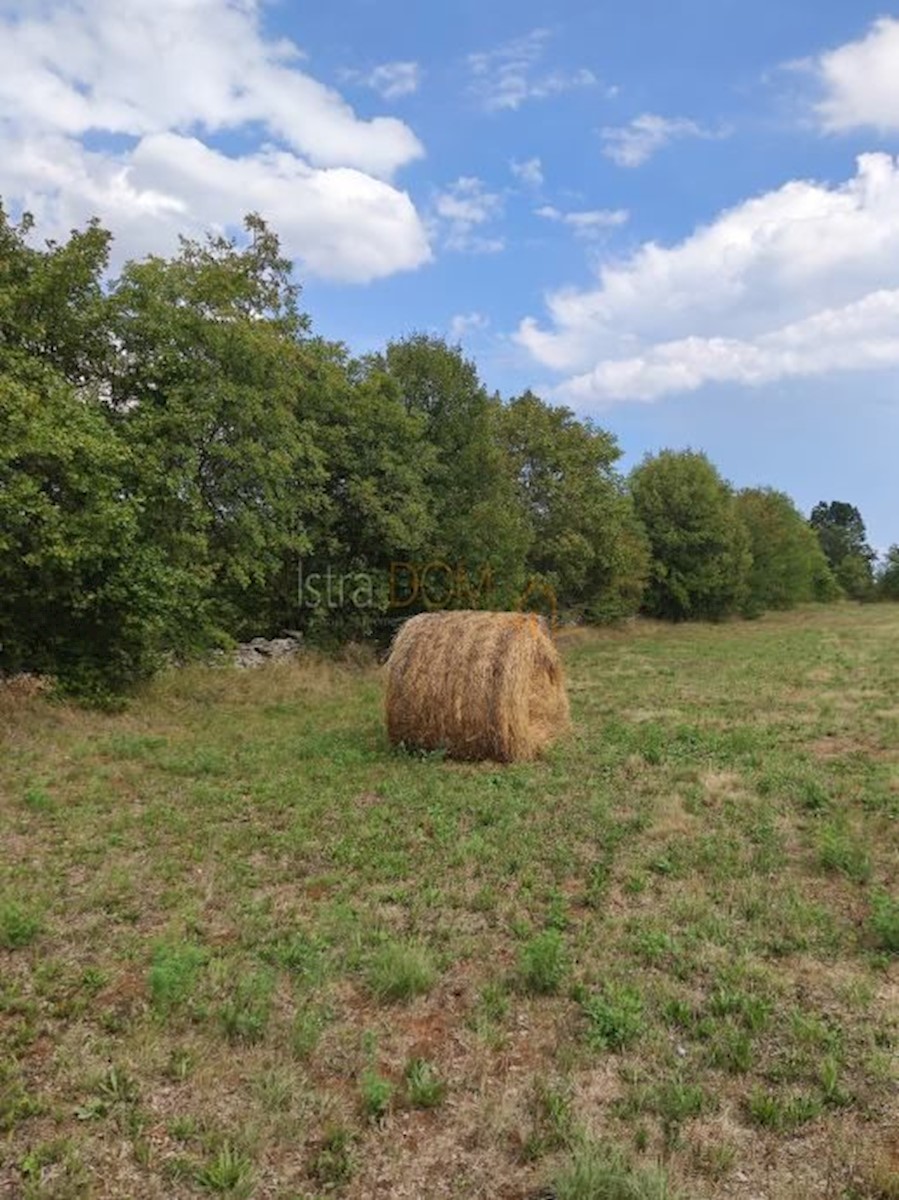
(586, 543)
(699, 546)
(788, 564)
(210, 385)
(888, 575)
(378, 462)
(53, 307)
(843, 538)
(477, 518)
(82, 595)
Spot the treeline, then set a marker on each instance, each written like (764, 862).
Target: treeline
(181, 456)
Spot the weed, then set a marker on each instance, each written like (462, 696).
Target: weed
(552, 1120)
(245, 1013)
(173, 974)
(37, 800)
(18, 926)
(884, 922)
(839, 852)
(228, 1173)
(376, 1093)
(596, 1172)
(731, 1050)
(424, 1087)
(614, 1017)
(780, 1113)
(542, 963)
(400, 971)
(306, 1030)
(275, 1089)
(332, 1163)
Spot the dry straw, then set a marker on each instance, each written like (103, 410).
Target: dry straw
(478, 685)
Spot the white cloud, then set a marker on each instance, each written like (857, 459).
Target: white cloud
(856, 337)
(634, 144)
(463, 324)
(587, 223)
(796, 282)
(861, 81)
(504, 78)
(392, 80)
(117, 108)
(530, 171)
(463, 208)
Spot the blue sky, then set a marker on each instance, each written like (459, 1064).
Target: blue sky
(681, 220)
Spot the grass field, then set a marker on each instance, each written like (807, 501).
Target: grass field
(247, 950)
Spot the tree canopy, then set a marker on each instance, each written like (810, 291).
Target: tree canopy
(179, 451)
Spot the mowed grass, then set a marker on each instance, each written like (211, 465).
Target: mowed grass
(248, 950)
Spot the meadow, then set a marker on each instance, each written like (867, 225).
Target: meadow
(248, 950)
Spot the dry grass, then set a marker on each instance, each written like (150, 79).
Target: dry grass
(476, 685)
(232, 921)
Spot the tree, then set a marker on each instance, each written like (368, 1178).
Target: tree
(843, 538)
(888, 575)
(379, 510)
(585, 542)
(478, 522)
(82, 595)
(788, 564)
(699, 545)
(53, 307)
(211, 385)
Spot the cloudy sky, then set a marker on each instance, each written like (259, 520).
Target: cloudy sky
(680, 219)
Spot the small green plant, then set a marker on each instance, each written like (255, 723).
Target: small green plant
(400, 971)
(332, 1163)
(552, 1118)
(244, 1015)
(839, 852)
(376, 1092)
(829, 1077)
(884, 922)
(307, 1030)
(597, 1172)
(782, 1113)
(752, 1011)
(180, 1065)
(275, 1089)
(37, 800)
(230, 1172)
(183, 1129)
(542, 963)
(424, 1087)
(493, 1002)
(731, 1050)
(614, 1017)
(18, 926)
(173, 974)
(303, 956)
(118, 1087)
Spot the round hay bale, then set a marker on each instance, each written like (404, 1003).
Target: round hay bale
(478, 685)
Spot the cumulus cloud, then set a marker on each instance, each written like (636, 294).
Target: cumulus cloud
(587, 223)
(392, 80)
(118, 109)
(860, 81)
(509, 75)
(796, 282)
(462, 324)
(461, 209)
(529, 172)
(634, 144)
